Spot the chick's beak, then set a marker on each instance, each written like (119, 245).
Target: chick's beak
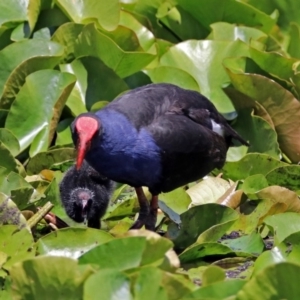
(84, 210)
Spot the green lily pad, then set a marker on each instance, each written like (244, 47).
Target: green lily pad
(128, 206)
(169, 74)
(244, 13)
(9, 141)
(178, 200)
(102, 82)
(250, 164)
(287, 251)
(158, 252)
(109, 283)
(146, 11)
(134, 253)
(7, 160)
(67, 35)
(208, 55)
(278, 66)
(243, 246)
(122, 62)
(293, 48)
(180, 22)
(51, 194)
(144, 35)
(287, 176)
(46, 160)
(87, 90)
(142, 289)
(266, 202)
(106, 255)
(197, 220)
(251, 243)
(71, 242)
(217, 291)
(277, 101)
(278, 281)
(17, 11)
(16, 186)
(212, 274)
(254, 127)
(37, 127)
(205, 250)
(176, 285)
(63, 131)
(231, 32)
(254, 183)
(80, 12)
(281, 225)
(58, 277)
(76, 99)
(17, 244)
(21, 59)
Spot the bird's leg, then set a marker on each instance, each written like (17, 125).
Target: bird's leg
(144, 209)
(152, 216)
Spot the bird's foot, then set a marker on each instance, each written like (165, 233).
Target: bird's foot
(148, 213)
(138, 224)
(149, 221)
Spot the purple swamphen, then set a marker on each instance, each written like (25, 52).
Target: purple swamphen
(159, 135)
(85, 194)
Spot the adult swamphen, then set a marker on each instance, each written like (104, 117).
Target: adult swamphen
(85, 194)
(159, 135)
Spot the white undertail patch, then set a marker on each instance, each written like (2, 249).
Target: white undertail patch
(217, 128)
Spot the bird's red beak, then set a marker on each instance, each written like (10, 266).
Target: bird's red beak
(86, 128)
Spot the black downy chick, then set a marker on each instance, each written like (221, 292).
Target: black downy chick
(85, 194)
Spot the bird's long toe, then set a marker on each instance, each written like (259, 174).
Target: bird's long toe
(148, 220)
(138, 224)
(148, 214)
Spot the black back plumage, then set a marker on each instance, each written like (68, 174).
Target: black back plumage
(144, 105)
(182, 123)
(88, 182)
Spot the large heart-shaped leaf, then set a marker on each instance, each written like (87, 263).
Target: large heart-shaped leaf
(58, 277)
(15, 11)
(201, 59)
(281, 105)
(222, 11)
(123, 62)
(21, 59)
(80, 11)
(279, 282)
(71, 242)
(18, 245)
(251, 164)
(37, 127)
(197, 220)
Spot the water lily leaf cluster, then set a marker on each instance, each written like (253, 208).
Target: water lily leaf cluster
(231, 235)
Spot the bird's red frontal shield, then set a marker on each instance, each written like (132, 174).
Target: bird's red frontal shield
(86, 127)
